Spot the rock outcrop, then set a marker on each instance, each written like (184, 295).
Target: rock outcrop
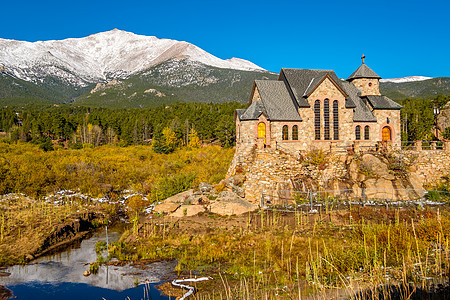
(206, 198)
(274, 175)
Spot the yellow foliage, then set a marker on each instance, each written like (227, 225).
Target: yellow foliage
(95, 171)
(194, 141)
(169, 137)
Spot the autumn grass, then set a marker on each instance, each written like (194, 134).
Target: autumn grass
(275, 256)
(95, 172)
(25, 224)
(26, 169)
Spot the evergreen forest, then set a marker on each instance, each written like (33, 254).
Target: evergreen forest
(168, 126)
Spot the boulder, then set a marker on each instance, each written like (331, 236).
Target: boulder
(237, 190)
(188, 210)
(180, 197)
(379, 188)
(225, 194)
(197, 200)
(232, 206)
(167, 207)
(377, 166)
(205, 187)
(237, 180)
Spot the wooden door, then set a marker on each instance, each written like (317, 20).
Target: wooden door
(386, 134)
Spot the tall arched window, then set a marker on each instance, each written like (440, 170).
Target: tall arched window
(285, 133)
(326, 118)
(317, 120)
(358, 133)
(295, 132)
(366, 132)
(262, 131)
(336, 119)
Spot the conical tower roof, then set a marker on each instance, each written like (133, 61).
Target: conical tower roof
(363, 72)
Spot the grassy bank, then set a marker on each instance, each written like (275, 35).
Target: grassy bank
(24, 168)
(283, 255)
(26, 224)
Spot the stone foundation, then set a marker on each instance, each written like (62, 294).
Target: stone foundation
(388, 175)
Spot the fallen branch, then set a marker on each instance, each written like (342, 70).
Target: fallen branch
(191, 289)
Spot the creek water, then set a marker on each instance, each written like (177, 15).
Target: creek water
(60, 276)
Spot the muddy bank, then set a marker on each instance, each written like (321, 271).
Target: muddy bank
(62, 236)
(5, 293)
(65, 235)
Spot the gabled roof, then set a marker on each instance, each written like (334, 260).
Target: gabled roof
(361, 112)
(277, 102)
(363, 72)
(382, 102)
(302, 82)
(252, 112)
(238, 113)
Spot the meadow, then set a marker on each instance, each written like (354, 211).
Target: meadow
(25, 168)
(356, 252)
(42, 191)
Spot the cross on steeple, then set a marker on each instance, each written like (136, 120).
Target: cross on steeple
(363, 57)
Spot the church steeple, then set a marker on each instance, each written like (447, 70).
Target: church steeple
(365, 79)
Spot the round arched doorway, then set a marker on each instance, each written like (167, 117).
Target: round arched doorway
(386, 134)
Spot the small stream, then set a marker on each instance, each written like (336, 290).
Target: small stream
(60, 276)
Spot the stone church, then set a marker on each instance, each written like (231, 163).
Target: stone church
(314, 109)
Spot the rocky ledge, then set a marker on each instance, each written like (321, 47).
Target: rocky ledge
(225, 198)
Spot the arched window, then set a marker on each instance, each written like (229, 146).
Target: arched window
(336, 119)
(366, 132)
(285, 133)
(358, 133)
(326, 119)
(295, 132)
(317, 120)
(262, 131)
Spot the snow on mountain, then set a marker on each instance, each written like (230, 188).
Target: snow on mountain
(406, 79)
(102, 56)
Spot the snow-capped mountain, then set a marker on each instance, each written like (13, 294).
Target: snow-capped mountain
(406, 79)
(101, 57)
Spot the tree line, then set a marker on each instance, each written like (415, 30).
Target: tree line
(418, 118)
(169, 125)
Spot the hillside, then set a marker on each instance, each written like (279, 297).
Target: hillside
(175, 81)
(416, 89)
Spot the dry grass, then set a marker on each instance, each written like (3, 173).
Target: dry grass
(26, 225)
(285, 256)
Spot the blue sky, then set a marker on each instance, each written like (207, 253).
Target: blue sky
(399, 38)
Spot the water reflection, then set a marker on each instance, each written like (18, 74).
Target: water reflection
(69, 266)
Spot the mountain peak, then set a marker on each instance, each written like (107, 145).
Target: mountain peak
(102, 56)
(406, 79)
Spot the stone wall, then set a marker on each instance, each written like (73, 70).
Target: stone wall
(429, 165)
(392, 175)
(390, 118)
(368, 86)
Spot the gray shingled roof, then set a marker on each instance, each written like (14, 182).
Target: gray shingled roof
(277, 101)
(281, 99)
(252, 112)
(382, 102)
(363, 72)
(303, 81)
(240, 112)
(361, 112)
